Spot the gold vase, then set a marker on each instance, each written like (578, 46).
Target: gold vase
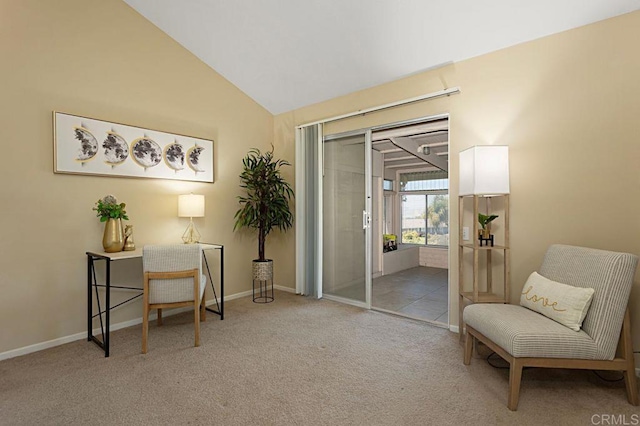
(113, 238)
(486, 232)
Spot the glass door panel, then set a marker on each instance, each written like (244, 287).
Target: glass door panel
(346, 189)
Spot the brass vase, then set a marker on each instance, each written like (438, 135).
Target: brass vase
(486, 233)
(113, 238)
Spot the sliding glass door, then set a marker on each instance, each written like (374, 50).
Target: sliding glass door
(346, 218)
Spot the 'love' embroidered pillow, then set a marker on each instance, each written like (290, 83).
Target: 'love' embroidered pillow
(562, 303)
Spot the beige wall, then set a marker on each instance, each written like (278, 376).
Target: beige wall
(99, 58)
(567, 105)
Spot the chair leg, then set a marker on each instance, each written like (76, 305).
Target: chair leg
(196, 317)
(460, 322)
(145, 327)
(159, 320)
(468, 348)
(145, 312)
(627, 351)
(631, 385)
(515, 376)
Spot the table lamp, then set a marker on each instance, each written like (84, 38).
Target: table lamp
(191, 205)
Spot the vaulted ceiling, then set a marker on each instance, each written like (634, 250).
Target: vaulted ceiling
(286, 54)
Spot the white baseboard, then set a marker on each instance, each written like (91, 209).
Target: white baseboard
(83, 335)
(41, 346)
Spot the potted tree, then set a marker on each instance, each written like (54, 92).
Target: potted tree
(264, 207)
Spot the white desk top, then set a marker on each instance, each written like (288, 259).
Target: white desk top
(138, 252)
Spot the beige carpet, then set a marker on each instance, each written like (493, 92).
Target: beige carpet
(294, 361)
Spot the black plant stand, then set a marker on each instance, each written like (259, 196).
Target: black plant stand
(263, 276)
(486, 240)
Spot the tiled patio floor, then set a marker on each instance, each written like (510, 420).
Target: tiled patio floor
(420, 293)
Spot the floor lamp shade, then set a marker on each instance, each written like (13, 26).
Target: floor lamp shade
(191, 205)
(484, 170)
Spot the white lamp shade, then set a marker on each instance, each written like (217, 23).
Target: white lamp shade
(191, 205)
(484, 170)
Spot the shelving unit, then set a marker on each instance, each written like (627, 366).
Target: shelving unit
(476, 295)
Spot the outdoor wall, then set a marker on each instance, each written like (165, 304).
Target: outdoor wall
(101, 59)
(567, 105)
(434, 257)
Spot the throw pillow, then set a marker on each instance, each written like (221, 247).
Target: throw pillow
(562, 303)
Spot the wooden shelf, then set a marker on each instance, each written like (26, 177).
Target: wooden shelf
(487, 296)
(477, 247)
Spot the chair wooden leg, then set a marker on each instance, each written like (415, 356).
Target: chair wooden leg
(145, 312)
(159, 320)
(631, 385)
(627, 351)
(203, 309)
(196, 317)
(460, 322)
(515, 376)
(468, 348)
(145, 327)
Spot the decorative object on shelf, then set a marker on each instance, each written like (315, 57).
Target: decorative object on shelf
(191, 205)
(389, 243)
(484, 235)
(110, 211)
(129, 245)
(113, 237)
(88, 146)
(264, 207)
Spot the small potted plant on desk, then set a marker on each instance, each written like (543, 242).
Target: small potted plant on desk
(264, 207)
(112, 213)
(484, 234)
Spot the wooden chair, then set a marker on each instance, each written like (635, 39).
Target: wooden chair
(172, 279)
(525, 338)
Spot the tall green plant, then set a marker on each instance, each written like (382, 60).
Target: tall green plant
(266, 204)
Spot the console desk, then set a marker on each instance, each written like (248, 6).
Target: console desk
(93, 257)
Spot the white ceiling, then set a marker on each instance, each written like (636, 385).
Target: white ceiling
(286, 54)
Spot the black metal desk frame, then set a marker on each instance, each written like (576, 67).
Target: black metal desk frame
(93, 285)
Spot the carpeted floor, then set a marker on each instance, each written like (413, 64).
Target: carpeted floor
(295, 361)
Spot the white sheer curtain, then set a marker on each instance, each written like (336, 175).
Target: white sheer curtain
(309, 210)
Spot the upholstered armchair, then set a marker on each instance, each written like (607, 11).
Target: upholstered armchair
(526, 338)
(172, 279)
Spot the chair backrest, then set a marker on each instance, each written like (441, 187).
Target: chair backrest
(610, 274)
(171, 258)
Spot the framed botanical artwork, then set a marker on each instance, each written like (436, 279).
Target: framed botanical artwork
(88, 146)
